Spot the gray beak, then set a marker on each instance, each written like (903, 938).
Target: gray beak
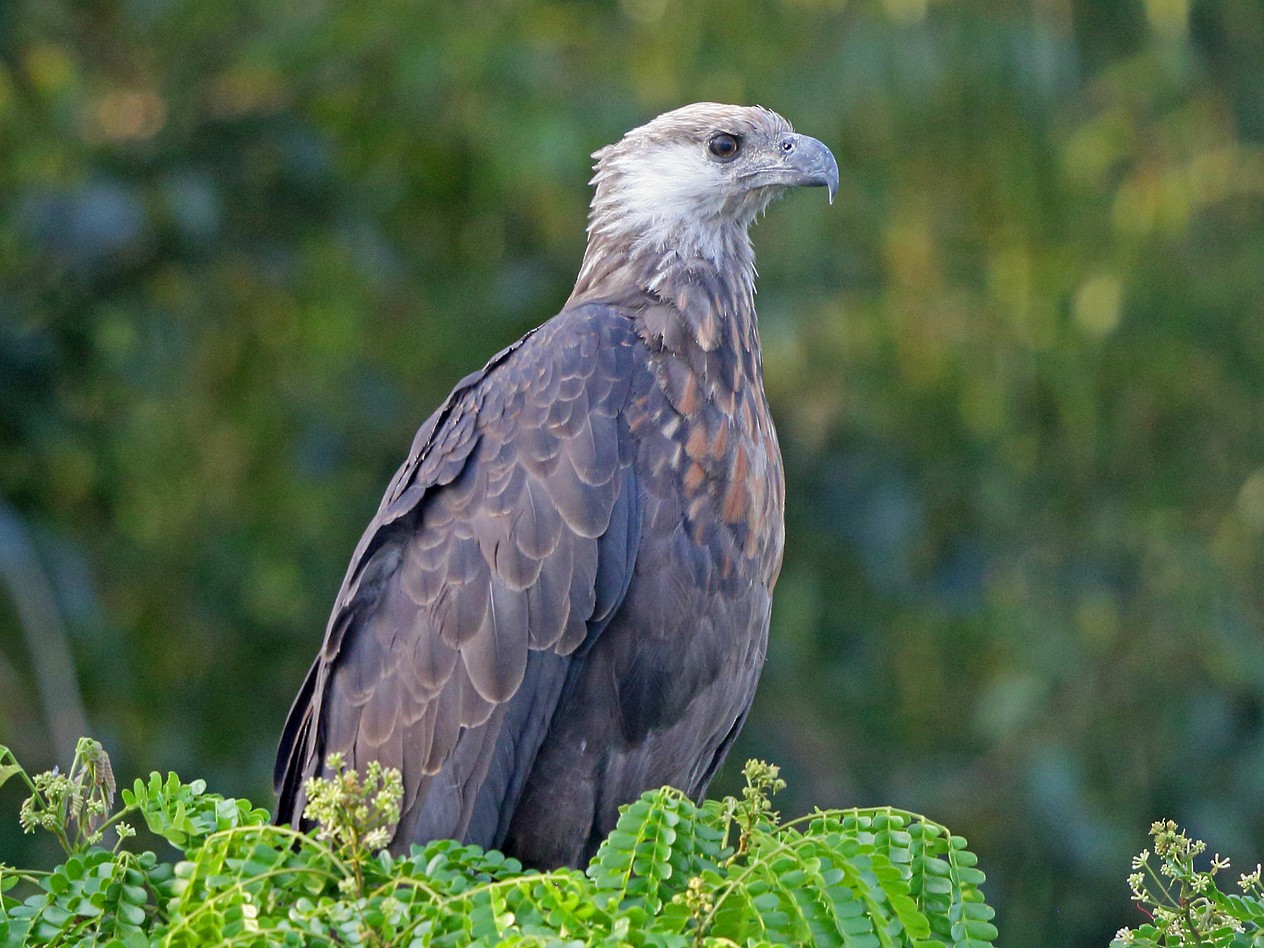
(810, 163)
(796, 161)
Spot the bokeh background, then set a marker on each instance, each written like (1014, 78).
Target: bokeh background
(1018, 370)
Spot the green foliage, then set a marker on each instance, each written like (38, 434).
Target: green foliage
(1185, 903)
(71, 806)
(667, 876)
(355, 814)
(185, 814)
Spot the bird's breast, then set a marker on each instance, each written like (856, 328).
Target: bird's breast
(711, 468)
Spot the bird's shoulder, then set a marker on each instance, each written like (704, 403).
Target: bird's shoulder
(581, 359)
(536, 425)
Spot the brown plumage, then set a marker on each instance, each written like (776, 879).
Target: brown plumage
(563, 599)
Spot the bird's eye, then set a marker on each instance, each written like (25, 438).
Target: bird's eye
(725, 146)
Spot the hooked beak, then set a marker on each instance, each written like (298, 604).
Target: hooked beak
(812, 162)
(801, 161)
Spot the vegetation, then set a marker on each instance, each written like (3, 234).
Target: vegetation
(1185, 903)
(670, 874)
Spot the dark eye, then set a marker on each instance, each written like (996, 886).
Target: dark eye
(725, 146)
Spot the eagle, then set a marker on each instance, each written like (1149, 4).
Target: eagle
(563, 599)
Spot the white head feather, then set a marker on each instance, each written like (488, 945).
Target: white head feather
(659, 190)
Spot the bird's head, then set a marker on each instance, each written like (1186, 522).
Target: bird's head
(692, 180)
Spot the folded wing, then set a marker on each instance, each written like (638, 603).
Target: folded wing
(503, 545)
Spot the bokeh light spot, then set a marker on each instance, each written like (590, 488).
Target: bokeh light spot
(1097, 304)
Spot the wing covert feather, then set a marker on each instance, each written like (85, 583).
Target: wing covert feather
(484, 549)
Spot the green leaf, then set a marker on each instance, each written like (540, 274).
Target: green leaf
(666, 876)
(7, 771)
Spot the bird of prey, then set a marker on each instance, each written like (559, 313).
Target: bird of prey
(563, 599)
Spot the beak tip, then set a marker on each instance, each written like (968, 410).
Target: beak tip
(818, 165)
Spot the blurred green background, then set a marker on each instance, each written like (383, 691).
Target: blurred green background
(1018, 369)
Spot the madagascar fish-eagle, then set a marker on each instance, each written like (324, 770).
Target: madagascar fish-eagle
(563, 598)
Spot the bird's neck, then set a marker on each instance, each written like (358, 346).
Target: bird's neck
(706, 272)
(689, 307)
